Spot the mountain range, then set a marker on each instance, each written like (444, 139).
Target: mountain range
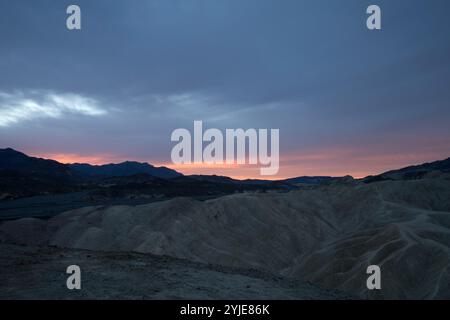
(11, 159)
(24, 176)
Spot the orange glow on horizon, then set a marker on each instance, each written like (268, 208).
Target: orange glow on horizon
(68, 158)
(358, 163)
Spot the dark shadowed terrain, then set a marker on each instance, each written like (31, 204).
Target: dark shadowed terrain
(215, 237)
(39, 273)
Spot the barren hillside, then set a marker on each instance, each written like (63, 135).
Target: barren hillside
(328, 235)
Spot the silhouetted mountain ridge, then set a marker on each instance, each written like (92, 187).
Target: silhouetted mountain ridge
(441, 165)
(127, 168)
(24, 176)
(11, 159)
(413, 172)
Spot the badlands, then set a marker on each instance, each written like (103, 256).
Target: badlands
(326, 235)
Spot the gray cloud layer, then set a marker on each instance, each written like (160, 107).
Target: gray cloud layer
(310, 68)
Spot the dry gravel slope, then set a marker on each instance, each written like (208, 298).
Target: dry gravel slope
(328, 235)
(29, 272)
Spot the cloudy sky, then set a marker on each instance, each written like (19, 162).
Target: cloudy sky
(346, 100)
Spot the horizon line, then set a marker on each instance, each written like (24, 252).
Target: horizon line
(222, 170)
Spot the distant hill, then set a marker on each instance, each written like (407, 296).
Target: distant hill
(412, 172)
(127, 168)
(312, 180)
(24, 176)
(12, 160)
(442, 165)
(260, 182)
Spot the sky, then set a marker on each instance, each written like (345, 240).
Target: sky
(347, 100)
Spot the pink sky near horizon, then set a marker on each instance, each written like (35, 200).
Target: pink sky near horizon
(322, 162)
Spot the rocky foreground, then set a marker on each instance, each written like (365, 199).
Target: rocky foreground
(328, 235)
(29, 272)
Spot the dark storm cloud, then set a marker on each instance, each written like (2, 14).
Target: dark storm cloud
(310, 68)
